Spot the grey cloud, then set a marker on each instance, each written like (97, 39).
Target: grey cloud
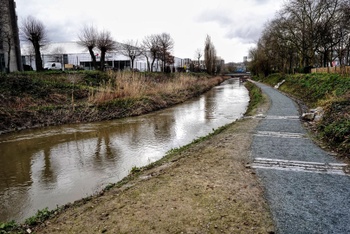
(247, 28)
(248, 34)
(215, 16)
(62, 31)
(261, 1)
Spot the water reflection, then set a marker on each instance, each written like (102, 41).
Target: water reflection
(56, 165)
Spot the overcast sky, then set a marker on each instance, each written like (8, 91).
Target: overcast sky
(234, 25)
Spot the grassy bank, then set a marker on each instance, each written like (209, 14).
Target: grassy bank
(30, 100)
(330, 91)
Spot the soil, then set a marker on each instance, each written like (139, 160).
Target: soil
(204, 188)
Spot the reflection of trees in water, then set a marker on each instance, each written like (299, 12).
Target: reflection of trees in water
(104, 148)
(15, 177)
(14, 167)
(209, 105)
(48, 173)
(163, 128)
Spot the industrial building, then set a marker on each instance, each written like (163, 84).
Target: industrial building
(72, 54)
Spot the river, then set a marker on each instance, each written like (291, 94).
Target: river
(53, 166)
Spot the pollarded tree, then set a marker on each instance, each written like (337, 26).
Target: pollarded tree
(105, 43)
(34, 31)
(88, 39)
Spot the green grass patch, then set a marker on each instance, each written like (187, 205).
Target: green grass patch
(256, 97)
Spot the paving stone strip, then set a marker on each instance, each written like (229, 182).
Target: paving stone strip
(308, 190)
(282, 117)
(302, 166)
(279, 134)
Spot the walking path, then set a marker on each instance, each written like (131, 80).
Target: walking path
(306, 188)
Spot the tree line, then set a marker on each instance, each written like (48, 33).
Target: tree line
(155, 47)
(304, 34)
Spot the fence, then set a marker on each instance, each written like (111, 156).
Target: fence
(342, 70)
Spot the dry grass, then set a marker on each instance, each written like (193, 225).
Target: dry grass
(136, 85)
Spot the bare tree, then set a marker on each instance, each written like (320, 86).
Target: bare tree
(304, 34)
(88, 39)
(132, 50)
(313, 28)
(34, 31)
(209, 55)
(165, 45)
(198, 56)
(105, 43)
(150, 47)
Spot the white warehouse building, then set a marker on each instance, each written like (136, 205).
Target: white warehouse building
(72, 54)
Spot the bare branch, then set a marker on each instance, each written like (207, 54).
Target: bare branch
(131, 49)
(88, 39)
(34, 31)
(105, 43)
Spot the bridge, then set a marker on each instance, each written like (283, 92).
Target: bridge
(242, 76)
(238, 74)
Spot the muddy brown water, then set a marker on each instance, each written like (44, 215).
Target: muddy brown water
(53, 166)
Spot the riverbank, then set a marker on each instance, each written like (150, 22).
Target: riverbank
(34, 100)
(203, 187)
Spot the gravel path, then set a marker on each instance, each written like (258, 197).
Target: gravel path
(306, 190)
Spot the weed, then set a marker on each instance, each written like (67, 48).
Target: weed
(135, 170)
(40, 217)
(109, 187)
(8, 227)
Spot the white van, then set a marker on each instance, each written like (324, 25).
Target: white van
(53, 66)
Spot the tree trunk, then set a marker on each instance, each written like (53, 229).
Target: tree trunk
(348, 55)
(93, 57)
(102, 60)
(152, 64)
(38, 60)
(325, 59)
(132, 63)
(148, 64)
(8, 58)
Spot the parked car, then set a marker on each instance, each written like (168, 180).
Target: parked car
(53, 66)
